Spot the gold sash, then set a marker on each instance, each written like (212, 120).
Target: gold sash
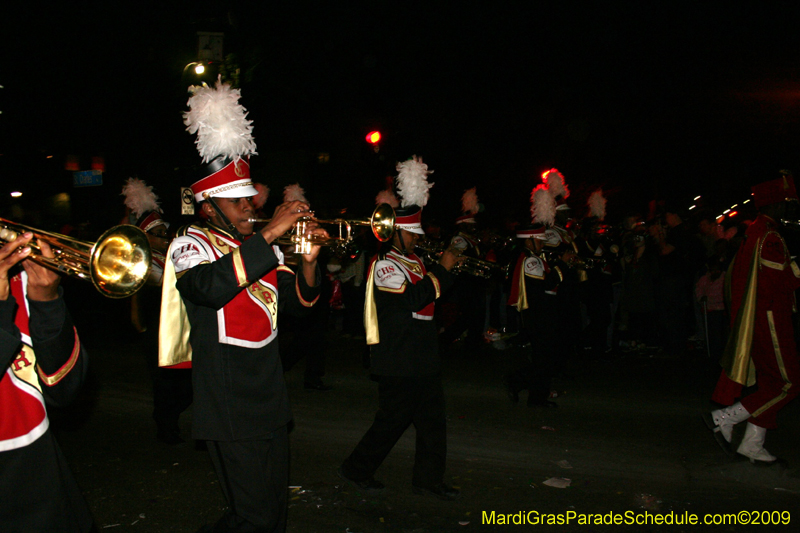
(736, 358)
(174, 328)
(522, 294)
(370, 310)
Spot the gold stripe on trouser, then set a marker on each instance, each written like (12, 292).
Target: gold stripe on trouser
(779, 358)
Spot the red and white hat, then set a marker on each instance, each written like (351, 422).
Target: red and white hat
(409, 218)
(226, 178)
(532, 232)
(145, 209)
(224, 141)
(774, 191)
(151, 220)
(466, 219)
(412, 188)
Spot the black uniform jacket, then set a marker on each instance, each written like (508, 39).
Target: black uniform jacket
(404, 299)
(231, 290)
(42, 363)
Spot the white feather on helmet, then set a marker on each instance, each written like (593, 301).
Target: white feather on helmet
(597, 204)
(543, 205)
(220, 122)
(412, 182)
(294, 193)
(469, 201)
(555, 182)
(139, 197)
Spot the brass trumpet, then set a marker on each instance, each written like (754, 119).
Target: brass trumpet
(381, 223)
(117, 264)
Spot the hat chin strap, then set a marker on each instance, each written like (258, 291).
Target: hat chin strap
(402, 247)
(224, 219)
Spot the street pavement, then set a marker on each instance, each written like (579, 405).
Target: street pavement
(627, 437)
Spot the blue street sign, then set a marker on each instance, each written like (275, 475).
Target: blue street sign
(87, 178)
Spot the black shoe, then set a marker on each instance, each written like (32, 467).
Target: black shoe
(371, 485)
(441, 491)
(316, 385)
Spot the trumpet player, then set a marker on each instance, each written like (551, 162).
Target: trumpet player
(231, 284)
(43, 364)
(534, 287)
(398, 318)
(469, 295)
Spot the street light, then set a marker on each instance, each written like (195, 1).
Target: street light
(199, 68)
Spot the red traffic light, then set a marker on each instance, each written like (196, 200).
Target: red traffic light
(373, 137)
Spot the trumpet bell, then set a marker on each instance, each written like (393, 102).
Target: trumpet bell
(120, 261)
(117, 264)
(382, 222)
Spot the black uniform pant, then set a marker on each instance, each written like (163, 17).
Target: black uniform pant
(403, 401)
(254, 475)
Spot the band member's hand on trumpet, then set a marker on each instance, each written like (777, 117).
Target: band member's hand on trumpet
(42, 282)
(450, 258)
(283, 220)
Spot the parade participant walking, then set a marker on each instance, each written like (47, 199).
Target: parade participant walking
(231, 284)
(470, 292)
(172, 387)
(398, 318)
(534, 286)
(761, 348)
(43, 363)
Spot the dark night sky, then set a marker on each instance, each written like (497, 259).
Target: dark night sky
(647, 99)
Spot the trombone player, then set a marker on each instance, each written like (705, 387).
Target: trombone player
(42, 363)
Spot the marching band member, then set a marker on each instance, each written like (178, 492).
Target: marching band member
(469, 294)
(561, 239)
(304, 346)
(172, 388)
(761, 347)
(43, 363)
(398, 318)
(597, 292)
(223, 288)
(534, 286)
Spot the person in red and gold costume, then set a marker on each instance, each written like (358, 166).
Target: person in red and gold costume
(761, 349)
(405, 361)
(224, 284)
(43, 363)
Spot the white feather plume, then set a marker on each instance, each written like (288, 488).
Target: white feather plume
(597, 204)
(220, 122)
(387, 197)
(469, 201)
(139, 197)
(543, 206)
(555, 182)
(412, 182)
(293, 193)
(263, 194)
